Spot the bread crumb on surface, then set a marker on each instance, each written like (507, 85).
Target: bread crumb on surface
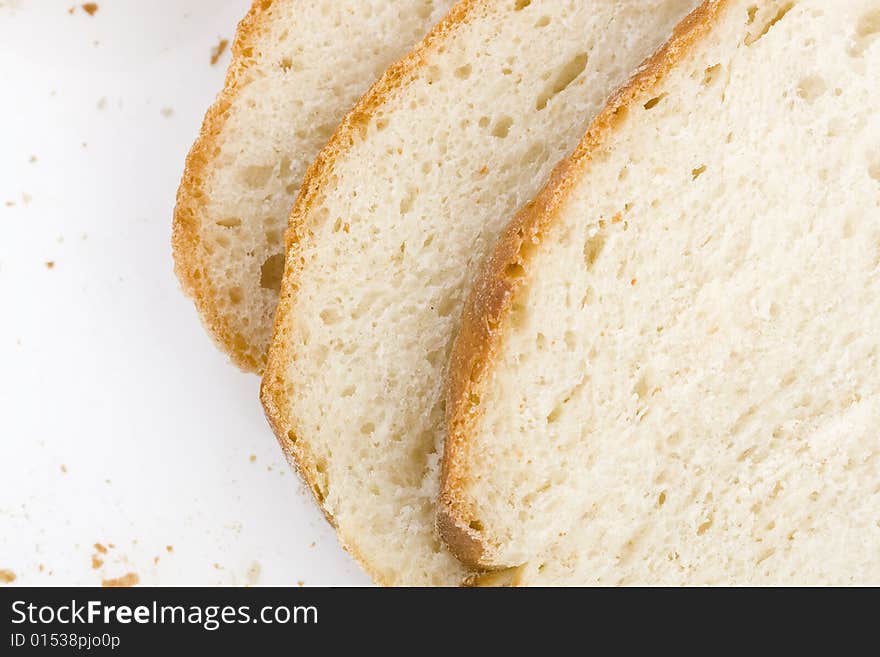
(169, 548)
(100, 548)
(300, 583)
(252, 575)
(218, 50)
(96, 562)
(252, 458)
(90, 8)
(7, 577)
(33, 159)
(167, 112)
(129, 579)
(50, 264)
(63, 467)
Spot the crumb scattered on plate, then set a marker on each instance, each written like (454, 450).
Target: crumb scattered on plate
(7, 577)
(218, 50)
(51, 265)
(167, 112)
(129, 579)
(90, 8)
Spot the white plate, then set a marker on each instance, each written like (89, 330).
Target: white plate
(120, 423)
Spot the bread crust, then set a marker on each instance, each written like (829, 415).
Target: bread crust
(275, 388)
(494, 292)
(186, 237)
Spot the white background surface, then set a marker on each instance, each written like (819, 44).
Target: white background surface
(120, 423)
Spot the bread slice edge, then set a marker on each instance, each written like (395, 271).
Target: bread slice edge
(496, 289)
(190, 268)
(275, 384)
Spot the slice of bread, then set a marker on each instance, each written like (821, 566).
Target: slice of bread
(389, 231)
(297, 67)
(668, 371)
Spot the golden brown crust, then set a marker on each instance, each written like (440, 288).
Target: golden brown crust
(495, 290)
(275, 388)
(186, 239)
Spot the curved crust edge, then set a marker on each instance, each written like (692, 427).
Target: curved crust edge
(186, 237)
(275, 388)
(494, 293)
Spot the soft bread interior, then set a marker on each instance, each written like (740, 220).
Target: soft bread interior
(406, 200)
(684, 387)
(298, 66)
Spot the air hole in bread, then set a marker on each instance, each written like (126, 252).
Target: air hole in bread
(874, 169)
(651, 104)
(273, 237)
(271, 272)
(661, 498)
(286, 64)
(330, 316)
(484, 122)
(593, 248)
(810, 88)
(699, 171)
(425, 10)
(256, 176)
(514, 270)
(588, 298)
(867, 29)
(704, 527)
(236, 295)
(368, 428)
(464, 72)
(536, 154)
(711, 75)
(476, 525)
(519, 5)
(567, 74)
(754, 36)
(231, 222)
(502, 127)
(544, 21)
(407, 202)
(349, 391)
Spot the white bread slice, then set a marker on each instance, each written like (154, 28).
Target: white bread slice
(298, 66)
(667, 373)
(391, 226)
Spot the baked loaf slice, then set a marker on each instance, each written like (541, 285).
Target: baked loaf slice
(389, 231)
(668, 371)
(297, 67)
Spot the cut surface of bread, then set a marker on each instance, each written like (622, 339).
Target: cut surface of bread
(667, 373)
(389, 231)
(298, 66)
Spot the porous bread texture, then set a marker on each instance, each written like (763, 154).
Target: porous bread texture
(668, 372)
(390, 229)
(297, 67)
